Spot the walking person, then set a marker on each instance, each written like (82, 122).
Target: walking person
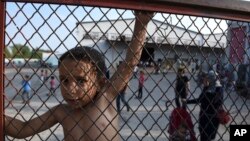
(141, 84)
(121, 97)
(26, 87)
(181, 88)
(210, 101)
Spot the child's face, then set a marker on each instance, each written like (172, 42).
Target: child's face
(182, 130)
(205, 81)
(141, 73)
(78, 82)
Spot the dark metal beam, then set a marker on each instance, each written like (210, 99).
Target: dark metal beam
(223, 9)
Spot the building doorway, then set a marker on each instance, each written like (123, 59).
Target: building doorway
(147, 55)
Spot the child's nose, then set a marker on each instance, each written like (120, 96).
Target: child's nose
(72, 87)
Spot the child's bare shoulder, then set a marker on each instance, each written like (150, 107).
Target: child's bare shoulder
(60, 110)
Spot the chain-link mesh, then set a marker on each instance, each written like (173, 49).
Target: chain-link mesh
(37, 35)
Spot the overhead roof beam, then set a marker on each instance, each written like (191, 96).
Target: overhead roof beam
(223, 9)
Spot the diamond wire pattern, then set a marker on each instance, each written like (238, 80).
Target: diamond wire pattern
(47, 28)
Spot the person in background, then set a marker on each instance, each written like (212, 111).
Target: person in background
(121, 96)
(181, 133)
(42, 76)
(181, 88)
(26, 87)
(141, 81)
(181, 127)
(52, 83)
(135, 71)
(210, 101)
(193, 64)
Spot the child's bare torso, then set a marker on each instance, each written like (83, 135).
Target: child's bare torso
(93, 122)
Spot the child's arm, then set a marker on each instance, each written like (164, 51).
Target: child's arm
(125, 70)
(19, 129)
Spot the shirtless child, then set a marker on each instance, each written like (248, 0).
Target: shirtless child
(90, 112)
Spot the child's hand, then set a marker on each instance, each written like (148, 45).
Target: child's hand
(144, 16)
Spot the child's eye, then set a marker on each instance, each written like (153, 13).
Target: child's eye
(80, 81)
(64, 80)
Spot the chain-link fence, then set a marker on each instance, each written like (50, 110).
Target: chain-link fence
(186, 65)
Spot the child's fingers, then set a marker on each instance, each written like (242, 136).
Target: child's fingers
(144, 16)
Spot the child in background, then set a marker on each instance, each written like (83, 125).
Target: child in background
(181, 127)
(52, 85)
(141, 84)
(181, 134)
(89, 112)
(26, 86)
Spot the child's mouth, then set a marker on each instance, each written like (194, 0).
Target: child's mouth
(72, 101)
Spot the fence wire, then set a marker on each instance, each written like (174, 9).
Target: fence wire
(37, 35)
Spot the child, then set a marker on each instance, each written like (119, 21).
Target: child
(52, 85)
(26, 86)
(181, 88)
(181, 127)
(90, 112)
(181, 134)
(141, 84)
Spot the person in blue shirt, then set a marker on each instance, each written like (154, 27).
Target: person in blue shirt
(26, 87)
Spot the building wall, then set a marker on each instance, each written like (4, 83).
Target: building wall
(114, 52)
(157, 31)
(172, 40)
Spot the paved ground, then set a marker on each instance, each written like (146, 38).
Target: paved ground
(147, 120)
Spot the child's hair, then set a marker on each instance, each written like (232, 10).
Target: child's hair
(142, 72)
(84, 53)
(26, 76)
(52, 77)
(181, 70)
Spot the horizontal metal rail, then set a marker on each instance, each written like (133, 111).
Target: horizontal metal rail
(224, 9)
